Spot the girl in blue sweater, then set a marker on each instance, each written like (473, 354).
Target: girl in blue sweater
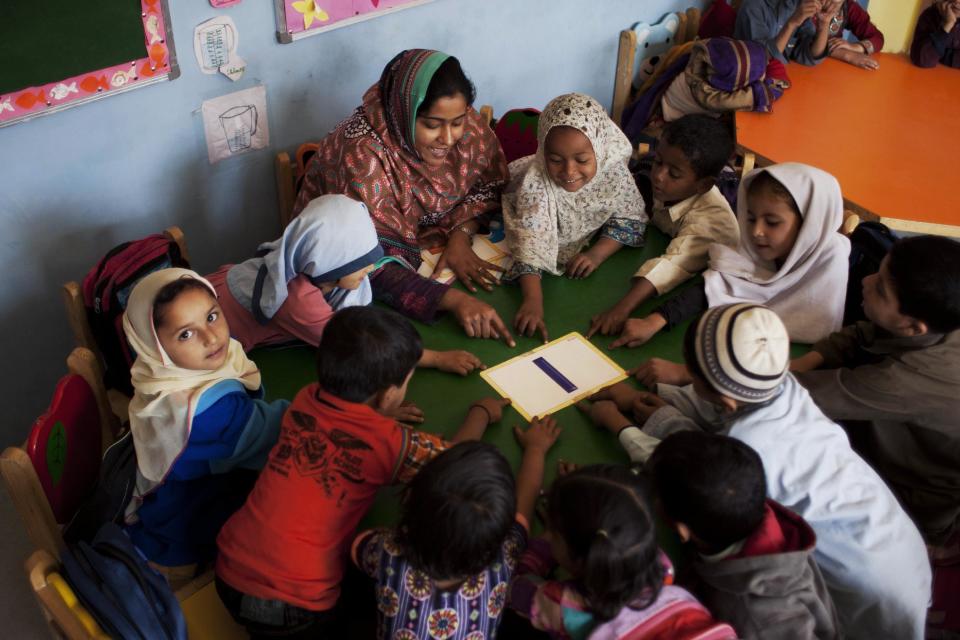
(198, 421)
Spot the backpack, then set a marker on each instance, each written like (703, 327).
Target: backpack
(115, 584)
(106, 289)
(517, 132)
(869, 243)
(111, 495)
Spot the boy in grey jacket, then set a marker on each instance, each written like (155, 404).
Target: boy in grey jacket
(754, 562)
(894, 381)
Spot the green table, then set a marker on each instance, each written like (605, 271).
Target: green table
(444, 397)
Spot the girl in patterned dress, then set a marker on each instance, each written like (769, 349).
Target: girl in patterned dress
(575, 185)
(444, 572)
(601, 532)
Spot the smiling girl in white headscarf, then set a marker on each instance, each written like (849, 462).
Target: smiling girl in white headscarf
(196, 417)
(576, 184)
(297, 282)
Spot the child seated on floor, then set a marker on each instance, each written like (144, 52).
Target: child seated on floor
(894, 379)
(791, 258)
(576, 184)
(601, 532)
(445, 570)
(870, 552)
(282, 556)
(295, 284)
(754, 566)
(200, 428)
(687, 206)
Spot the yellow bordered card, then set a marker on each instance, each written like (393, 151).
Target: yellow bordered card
(553, 376)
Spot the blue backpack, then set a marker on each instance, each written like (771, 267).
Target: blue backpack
(128, 599)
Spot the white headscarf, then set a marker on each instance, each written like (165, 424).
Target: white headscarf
(546, 225)
(332, 237)
(809, 290)
(165, 396)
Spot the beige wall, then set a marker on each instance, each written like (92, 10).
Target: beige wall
(896, 19)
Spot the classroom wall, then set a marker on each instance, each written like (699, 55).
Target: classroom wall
(896, 19)
(74, 184)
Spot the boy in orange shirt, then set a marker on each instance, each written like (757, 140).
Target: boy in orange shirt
(283, 555)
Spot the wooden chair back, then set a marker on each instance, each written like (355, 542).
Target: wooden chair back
(50, 476)
(64, 613)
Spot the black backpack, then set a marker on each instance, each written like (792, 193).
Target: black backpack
(110, 496)
(127, 598)
(869, 243)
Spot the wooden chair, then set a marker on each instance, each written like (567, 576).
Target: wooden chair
(673, 30)
(204, 613)
(72, 295)
(53, 472)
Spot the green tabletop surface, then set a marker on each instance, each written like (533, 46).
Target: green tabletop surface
(445, 398)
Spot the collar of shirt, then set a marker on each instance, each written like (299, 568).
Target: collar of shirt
(678, 209)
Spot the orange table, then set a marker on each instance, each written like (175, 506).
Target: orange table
(891, 137)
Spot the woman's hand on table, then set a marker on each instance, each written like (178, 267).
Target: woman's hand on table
(529, 319)
(621, 394)
(659, 371)
(458, 361)
(408, 413)
(638, 331)
(478, 319)
(469, 268)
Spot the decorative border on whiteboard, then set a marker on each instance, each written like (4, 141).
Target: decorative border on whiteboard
(160, 64)
(293, 22)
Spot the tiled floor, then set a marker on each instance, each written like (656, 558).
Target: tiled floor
(18, 609)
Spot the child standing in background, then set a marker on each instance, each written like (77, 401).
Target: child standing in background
(576, 184)
(687, 206)
(445, 571)
(196, 417)
(754, 561)
(893, 379)
(296, 283)
(601, 531)
(283, 555)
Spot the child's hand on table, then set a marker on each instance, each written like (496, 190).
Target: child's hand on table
(610, 322)
(582, 265)
(620, 393)
(638, 331)
(458, 361)
(856, 59)
(408, 413)
(529, 319)
(605, 414)
(493, 407)
(541, 435)
(659, 371)
(645, 404)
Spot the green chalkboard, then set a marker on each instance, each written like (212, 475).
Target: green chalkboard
(57, 54)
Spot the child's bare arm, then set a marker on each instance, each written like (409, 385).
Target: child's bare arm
(535, 441)
(807, 362)
(529, 316)
(481, 414)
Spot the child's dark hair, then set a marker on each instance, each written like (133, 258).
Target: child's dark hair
(713, 484)
(365, 350)
(448, 81)
(926, 274)
(602, 513)
(765, 180)
(705, 141)
(457, 511)
(170, 292)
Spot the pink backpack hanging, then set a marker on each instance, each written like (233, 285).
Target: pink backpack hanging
(517, 133)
